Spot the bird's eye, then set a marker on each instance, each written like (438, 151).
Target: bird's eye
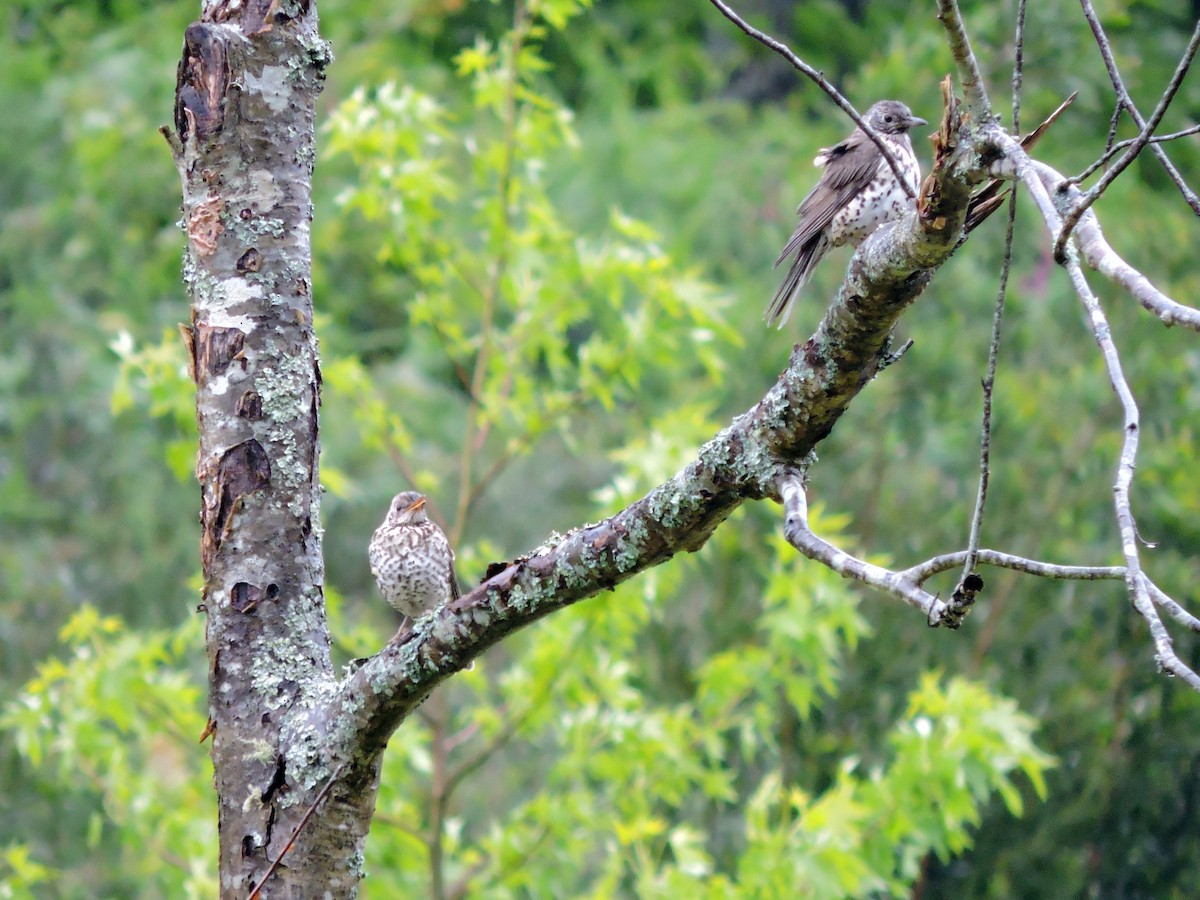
(889, 118)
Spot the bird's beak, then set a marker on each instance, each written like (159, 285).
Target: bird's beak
(419, 503)
(914, 121)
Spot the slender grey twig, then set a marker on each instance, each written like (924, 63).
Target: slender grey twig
(989, 380)
(1040, 179)
(923, 571)
(1101, 257)
(1131, 153)
(821, 81)
(254, 894)
(1018, 75)
(1177, 612)
(908, 584)
(1124, 100)
(1113, 150)
(1114, 122)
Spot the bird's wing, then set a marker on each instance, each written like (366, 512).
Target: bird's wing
(849, 167)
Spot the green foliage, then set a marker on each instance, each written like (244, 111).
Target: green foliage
(624, 787)
(19, 872)
(119, 717)
(541, 323)
(155, 377)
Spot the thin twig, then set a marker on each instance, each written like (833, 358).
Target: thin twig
(1174, 610)
(1134, 149)
(908, 584)
(990, 197)
(1112, 151)
(1101, 257)
(1125, 101)
(1018, 66)
(1164, 651)
(800, 535)
(822, 82)
(1032, 174)
(989, 380)
(923, 571)
(296, 831)
(1114, 123)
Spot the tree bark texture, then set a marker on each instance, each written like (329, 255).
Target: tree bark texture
(243, 141)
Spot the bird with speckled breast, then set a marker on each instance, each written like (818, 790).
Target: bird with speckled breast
(857, 192)
(411, 559)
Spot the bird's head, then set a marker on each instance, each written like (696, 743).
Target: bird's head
(892, 117)
(408, 508)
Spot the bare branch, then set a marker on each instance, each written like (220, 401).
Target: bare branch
(908, 584)
(923, 571)
(968, 69)
(1132, 433)
(1174, 610)
(1126, 102)
(821, 81)
(989, 380)
(988, 198)
(1135, 148)
(1116, 148)
(1018, 66)
(798, 533)
(1164, 649)
(1114, 122)
(1101, 257)
(1036, 176)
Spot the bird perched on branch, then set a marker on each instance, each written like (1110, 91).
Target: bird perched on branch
(411, 559)
(857, 192)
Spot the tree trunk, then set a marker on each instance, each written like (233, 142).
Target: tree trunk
(245, 98)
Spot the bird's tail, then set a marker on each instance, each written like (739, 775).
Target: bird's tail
(798, 274)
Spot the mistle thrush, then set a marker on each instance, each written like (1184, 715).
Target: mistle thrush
(857, 192)
(411, 559)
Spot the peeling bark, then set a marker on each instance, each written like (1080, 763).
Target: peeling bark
(246, 89)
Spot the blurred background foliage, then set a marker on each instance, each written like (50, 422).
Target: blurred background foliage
(589, 200)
